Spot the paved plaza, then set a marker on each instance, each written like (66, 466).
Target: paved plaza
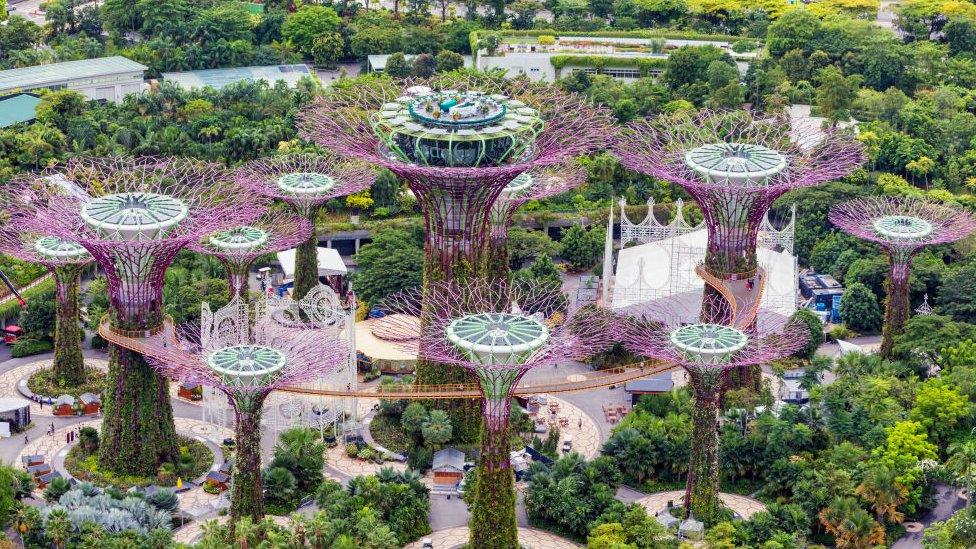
(528, 537)
(12, 377)
(743, 505)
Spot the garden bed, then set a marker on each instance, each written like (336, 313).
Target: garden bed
(43, 383)
(388, 433)
(196, 460)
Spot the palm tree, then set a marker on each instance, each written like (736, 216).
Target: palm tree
(881, 489)
(851, 526)
(57, 528)
(962, 462)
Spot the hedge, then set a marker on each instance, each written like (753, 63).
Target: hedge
(11, 308)
(28, 347)
(644, 64)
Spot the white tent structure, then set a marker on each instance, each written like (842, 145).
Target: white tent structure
(329, 261)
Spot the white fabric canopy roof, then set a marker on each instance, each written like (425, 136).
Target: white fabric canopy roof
(667, 267)
(329, 260)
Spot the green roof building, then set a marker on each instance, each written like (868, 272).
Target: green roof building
(105, 78)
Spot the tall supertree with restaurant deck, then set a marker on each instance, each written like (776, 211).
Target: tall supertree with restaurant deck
(247, 356)
(499, 331)
(133, 215)
(65, 260)
(457, 142)
(672, 331)
(535, 185)
(735, 164)
(237, 248)
(902, 227)
(305, 182)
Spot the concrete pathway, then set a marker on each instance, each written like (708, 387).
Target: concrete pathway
(947, 502)
(528, 537)
(658, 501)
(9, 380)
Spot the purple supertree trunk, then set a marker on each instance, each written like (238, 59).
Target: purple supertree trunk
(132, 215)
(735, 164)
(902, 227)
(499, 331)
(671, 331)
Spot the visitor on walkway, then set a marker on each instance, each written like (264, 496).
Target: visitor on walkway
(580, 423)
(26, 440)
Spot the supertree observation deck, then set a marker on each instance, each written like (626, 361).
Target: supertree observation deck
(499, 331)
(672, 331)
(237, 248)
(305, 182)
(535, 185)
(735, 164)
(247, 356)
(65, 260)
(133, 215)
(457, 142)
(902, 227)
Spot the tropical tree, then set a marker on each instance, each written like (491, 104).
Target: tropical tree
(881, 489)
(851, 526)
(962, 463)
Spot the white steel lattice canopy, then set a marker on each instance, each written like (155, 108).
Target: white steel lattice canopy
(246, 365)
(708, 343)
(736, 163)
(134, 216)
(55, 248)
(497, 338)
(902, 227)
(306, 184)
(239, 239)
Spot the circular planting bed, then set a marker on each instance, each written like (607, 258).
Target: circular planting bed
(195, 460)
(43, 383)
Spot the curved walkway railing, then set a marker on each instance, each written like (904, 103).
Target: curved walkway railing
(744, 303)
(153, 345)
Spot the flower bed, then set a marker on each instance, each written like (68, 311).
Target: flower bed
(196, 459)
(43, 383)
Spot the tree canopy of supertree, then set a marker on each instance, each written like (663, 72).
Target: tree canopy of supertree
(735, 164)
(305, 182)
(537, 184)
(457, 141)
(133, 215)
(499, 331)
(238, 247)
(65, 260)
(672, 331)
(902, 227)
(247, 356)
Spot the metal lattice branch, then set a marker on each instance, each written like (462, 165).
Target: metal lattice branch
(238, 247)
(673, 331)
(537, 184)
(735, 164)
(902, 226)
(305, 181)
(132, 215)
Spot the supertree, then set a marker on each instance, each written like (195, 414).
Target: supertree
(672, 331)
(535, 185)
(305, 182)
(902, 227)
(457, 141)
(735, 164)
(133, 215)
(246, 355)
(65, 260)
(237, 248)
(499, 331)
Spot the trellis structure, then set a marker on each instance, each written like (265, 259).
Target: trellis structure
(132, 215)
(499, 331)
(734, 165)
(305, 182)
(237, 248)
(246, 358)
(902, 227)
(65, 260)
(672, 331)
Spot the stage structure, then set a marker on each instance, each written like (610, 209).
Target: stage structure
(735, 164)
(667, 255)
(672, 331)
(133, 215)
(237, 248)
(322, 310)
(305, 182)
(902, 227)
(65, 260)
(246, 358)
(499, 331)
(535, 185)
(457, 142)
